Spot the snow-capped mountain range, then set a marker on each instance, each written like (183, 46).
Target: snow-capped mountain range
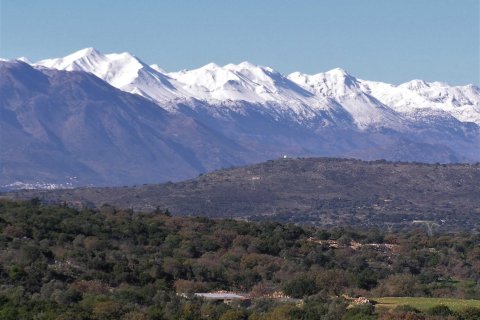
(300, 93)
(190, 121)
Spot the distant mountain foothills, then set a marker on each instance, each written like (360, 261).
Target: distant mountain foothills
(94, 119)
(320, 191)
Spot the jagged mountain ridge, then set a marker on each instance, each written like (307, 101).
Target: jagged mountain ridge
(256, 84)
(223, 116)
(333, 99)
(59, 126)
(427, 113)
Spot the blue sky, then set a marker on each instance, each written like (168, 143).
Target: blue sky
(392, 41)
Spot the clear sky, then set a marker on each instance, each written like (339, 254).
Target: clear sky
(388, 40)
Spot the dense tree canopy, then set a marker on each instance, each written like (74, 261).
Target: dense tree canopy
(62, 263)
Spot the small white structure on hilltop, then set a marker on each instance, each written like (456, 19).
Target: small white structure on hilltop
(285, 156)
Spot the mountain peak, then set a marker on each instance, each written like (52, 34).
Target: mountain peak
(210, 66)
(86, 52)
(74, 61)
(125, 55)
(24, 59)
(247, 64)
(338, 72)
(415, 84)
(247, 81)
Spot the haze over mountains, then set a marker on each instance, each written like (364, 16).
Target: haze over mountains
(110, 119)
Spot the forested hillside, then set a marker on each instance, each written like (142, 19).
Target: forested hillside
(320, 191)
(61, 263)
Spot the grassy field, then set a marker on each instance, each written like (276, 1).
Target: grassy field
(424, 304)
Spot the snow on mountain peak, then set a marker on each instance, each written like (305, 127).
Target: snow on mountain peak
(338, 72)
(339, 75)
(121, 70)
(77, 61)
(24, 59)
(89, 60)
(336, 82)
(247, 65)
(300, 93)
(157, 68)
(210, 66)
(237, 82)
(415, 84)
(84, 53)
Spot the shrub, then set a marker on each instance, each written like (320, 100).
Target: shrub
(360, 312)
(440, 310)
(300, 287)
(470, 313)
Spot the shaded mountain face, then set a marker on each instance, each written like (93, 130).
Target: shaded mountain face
(94, 118)
(333, 104)
(321, 191)
(61, 127)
